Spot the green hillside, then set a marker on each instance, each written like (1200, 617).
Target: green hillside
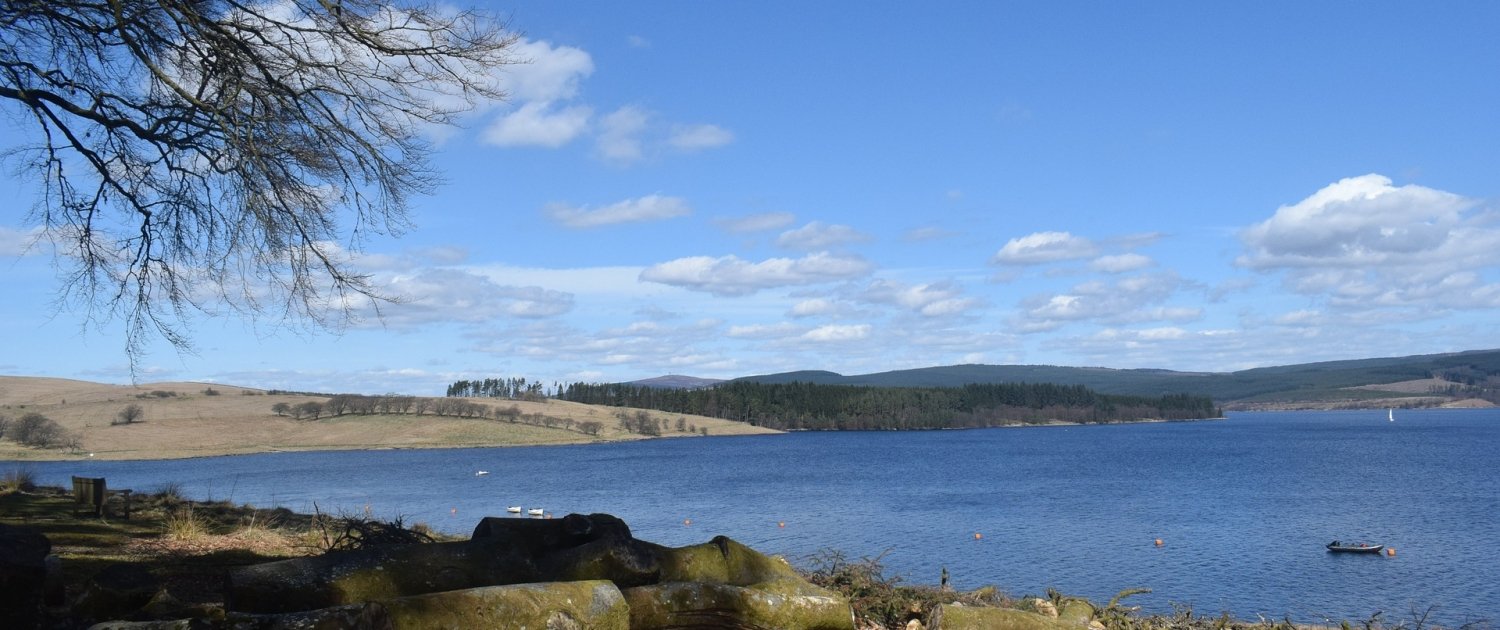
(1473, 374)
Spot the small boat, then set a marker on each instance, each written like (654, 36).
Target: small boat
(481, 473)
(535, 511)
(1390, 415)
(1338, 547)
(514, 509)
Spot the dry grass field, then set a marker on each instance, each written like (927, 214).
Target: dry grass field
(193, 423)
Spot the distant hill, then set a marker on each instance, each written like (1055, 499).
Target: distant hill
(677, 381)
(1422, 380)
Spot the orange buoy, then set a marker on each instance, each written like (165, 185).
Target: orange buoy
(1390, 551)
(978, 536)
(687, 521)
(1159, 542)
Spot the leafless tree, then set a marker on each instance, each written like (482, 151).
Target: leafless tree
(132, 413)
(194, 155)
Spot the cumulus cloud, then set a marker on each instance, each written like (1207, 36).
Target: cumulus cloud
(690, 138)
(764, 331)
(1044, 247)
(757, 222)
(549, 73)
(1120, 263)
(731, 275)
(430, 296)
(1130, 299)
(813, 307)
(1363, 242)
(541, 86)
(648, 208)
(620, 132)
(818, 235)
(837, 333)
(538, 124)
(931, 300)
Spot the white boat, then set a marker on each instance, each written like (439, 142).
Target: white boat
(514, 509)
(481, 473)
(535, 511)
(1390, 415)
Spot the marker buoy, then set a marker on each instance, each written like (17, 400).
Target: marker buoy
(978, 536)
(687, 521)
(1390, 551)
(781, 523)
(454, 511)
(1158, 542)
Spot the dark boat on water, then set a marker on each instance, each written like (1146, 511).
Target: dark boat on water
(1338, 547)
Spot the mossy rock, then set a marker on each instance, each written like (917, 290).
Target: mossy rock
(784, 605)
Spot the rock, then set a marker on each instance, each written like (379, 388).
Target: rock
(171, 624)
(1075, 612)
(502, 551)
(950, 617)
(915, 624)
(596, 605)
(719, 582)
(723, 583)
(23, 575)
(718, 605)
(1043, 606)
(117, 591)
(378, 573)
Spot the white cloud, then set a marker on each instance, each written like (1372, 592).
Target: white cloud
(757, 222)
(1120, 263)
(731, 275)
(1363, 242)
(549, 73)
(648, 208)
(817, 235)
(538, 124)
(764, 331)
(636, 41)
(1129, 299)
(699, 137)
(431, 296)
(813, 307)
(1044, 247)
(837, 333)
(15, 242)
(620, 132)
(931, 300)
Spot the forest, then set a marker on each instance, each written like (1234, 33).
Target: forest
(807, 406)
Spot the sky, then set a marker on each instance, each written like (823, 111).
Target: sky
(722, 189)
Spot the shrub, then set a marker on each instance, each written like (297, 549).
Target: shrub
(34, 429)
(18, 480)
(209, 391)
(185, 524)
(131, 413)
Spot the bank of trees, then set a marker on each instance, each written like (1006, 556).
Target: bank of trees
(361, 405)
(799, 406)
(38, 431)
(516, 388)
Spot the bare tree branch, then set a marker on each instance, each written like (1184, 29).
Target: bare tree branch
(193, 154)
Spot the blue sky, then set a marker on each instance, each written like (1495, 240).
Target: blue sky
(723, 189)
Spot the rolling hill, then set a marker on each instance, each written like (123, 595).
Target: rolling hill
(1422, 380)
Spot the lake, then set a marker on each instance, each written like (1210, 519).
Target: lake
(1243, 506)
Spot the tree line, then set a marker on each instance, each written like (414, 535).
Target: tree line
(515, 388)
(808, 406)
(357, 404)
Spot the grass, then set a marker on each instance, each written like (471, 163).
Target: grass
(18, 480)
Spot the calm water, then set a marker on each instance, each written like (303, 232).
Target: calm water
(1244, 506)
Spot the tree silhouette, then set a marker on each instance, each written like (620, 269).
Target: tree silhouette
(192, 154)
